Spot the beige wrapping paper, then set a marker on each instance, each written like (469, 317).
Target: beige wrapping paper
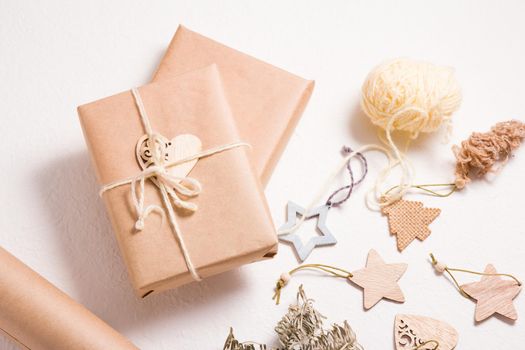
(38, 316)
(232, 225)
(266, 101)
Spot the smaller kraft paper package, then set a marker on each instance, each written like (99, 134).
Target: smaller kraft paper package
(266, 101)
(177, 182)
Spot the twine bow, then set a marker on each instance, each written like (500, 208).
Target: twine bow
(156, 171)
(171, 186)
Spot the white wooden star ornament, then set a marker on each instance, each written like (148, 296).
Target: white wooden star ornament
(325, 238)
(378, 279)
(493, 294)
(288, 232)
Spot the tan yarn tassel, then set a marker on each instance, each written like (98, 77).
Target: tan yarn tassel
(482, 150)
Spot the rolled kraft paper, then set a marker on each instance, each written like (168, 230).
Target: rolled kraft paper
(38, 316)
(266, 101)
(232, 225)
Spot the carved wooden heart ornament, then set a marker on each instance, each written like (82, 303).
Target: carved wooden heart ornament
(411, 331)
(179, 147)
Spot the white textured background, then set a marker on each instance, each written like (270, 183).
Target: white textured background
(55, 55)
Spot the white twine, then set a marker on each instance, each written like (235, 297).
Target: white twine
(406, 170)
(324, 188)
(375, 199)
(170, 186)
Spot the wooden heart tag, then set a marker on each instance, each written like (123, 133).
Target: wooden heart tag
(411, 331)
(179, 147)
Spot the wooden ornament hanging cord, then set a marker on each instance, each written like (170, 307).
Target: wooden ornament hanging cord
(443, 268)
(285, 277)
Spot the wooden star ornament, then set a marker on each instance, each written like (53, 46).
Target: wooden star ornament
(409, 220)
(379, 280)
(493, 295)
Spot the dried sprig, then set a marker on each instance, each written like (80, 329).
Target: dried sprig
(232, 344)
(302, 329)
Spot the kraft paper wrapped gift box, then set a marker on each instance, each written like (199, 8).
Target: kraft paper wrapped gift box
(232, 225)
(38, 316)
(266, 101)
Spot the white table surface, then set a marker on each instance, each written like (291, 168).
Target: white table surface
(55, 55)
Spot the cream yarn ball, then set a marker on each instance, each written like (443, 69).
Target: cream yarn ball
(410, 96)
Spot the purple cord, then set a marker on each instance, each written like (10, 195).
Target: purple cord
(350, 187)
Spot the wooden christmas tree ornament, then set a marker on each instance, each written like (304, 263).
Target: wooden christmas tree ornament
(493, 295)
(409, 220)
(378, 279)
(413, 332)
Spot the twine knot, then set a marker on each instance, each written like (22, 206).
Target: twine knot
(172, 185)
(281, 283)
(139, 224)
